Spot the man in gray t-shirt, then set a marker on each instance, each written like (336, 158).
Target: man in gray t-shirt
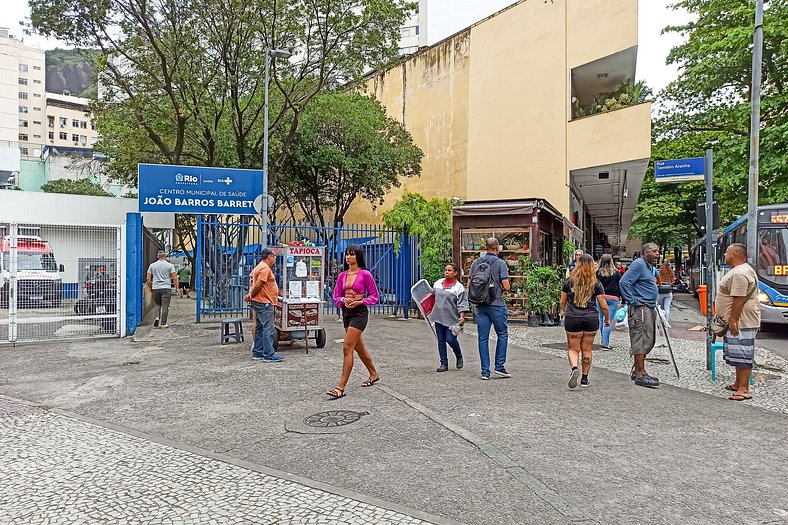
(161, 278)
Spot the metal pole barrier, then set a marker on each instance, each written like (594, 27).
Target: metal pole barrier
(755, 125)
(710, 255)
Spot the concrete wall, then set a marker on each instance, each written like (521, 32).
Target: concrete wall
(490, 106)
(32, 175)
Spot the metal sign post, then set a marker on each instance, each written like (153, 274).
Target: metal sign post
(755, 138)
(709, 251)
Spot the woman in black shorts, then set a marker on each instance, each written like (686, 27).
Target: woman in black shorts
(354, 293)
(579, 298)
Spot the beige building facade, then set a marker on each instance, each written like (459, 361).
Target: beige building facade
(495, 110)
(68, 122)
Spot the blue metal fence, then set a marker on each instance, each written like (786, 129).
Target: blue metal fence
(228, 248)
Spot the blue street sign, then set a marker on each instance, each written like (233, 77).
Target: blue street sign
(680, 170)
(195, 190)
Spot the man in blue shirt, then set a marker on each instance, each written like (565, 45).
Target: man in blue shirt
(639, 288)
(494, 313)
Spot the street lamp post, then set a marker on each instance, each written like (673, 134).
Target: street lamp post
(755, 137)
(270, 54)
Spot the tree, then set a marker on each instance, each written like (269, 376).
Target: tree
(75, 187)
(430, 220)
(345, 148)
(711, 97)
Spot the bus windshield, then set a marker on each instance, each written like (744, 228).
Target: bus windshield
(773, 255)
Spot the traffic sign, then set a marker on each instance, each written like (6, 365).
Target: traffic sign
(680, 170)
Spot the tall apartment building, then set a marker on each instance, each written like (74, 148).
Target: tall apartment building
(22, 96)
(413, 33)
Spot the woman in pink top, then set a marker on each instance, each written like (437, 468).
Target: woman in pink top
(354, 293)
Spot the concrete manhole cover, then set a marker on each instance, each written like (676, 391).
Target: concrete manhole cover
(334, 418)
(336, 421)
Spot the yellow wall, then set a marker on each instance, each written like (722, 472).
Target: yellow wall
(490, 107)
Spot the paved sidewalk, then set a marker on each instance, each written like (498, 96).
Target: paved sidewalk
(520, 450)
(63, 470)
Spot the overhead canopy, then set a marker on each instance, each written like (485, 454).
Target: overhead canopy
(473, 209)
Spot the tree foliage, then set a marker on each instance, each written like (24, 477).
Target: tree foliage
(431, 221)
(345, 148)
(75, 187)
(183, 80)
(709, 103)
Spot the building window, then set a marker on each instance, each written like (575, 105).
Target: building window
(23, 109)
(36, 136)
(23, 95)
(417, 30)
(93, 140)
(93, 126)
(63, 122)
(37, 68)
(38, 122)
(24, 151)
(36, 81)
(23, 68)
(36, 109)
(83, 124)
(74, 123)
(51, 135)
(83, 139)
(51, 122)
(23, 137)
(74, 137)
(22, 81)
(37, 95)
(22, 123)
(63, 135)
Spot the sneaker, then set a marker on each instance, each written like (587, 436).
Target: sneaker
(443, 368)
(647, 381)
(257, 358)
(276, 358)
(607, 347)
(584, 382)
(485, 377)
(502, 373)
(573, 378)
(156, 322)
(164, 326)
(459, 363)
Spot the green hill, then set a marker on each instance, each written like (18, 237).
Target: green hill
(71, 71)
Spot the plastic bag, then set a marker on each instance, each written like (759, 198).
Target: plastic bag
(621, 317)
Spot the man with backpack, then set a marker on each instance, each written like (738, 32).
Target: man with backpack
(489, 278)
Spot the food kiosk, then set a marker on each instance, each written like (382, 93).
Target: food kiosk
(299, 314)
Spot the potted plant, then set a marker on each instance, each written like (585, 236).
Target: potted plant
(542, 289)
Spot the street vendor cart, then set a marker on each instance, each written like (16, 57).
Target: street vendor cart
(299, 314)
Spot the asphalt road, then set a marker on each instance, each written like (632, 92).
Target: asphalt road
(771, 337)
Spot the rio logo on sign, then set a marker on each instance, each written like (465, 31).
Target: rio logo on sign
(199, 190)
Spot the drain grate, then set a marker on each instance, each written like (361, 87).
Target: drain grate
(334, 418)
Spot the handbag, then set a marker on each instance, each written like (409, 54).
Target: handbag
(719, 326)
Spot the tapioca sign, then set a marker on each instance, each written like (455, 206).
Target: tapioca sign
(304, 250)
(199, 190)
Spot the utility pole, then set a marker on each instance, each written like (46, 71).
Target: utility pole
(710, 253)
(755, 126)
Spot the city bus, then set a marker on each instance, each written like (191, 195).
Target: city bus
(772, 267)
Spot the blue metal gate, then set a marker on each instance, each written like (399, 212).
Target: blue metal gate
(228, 248)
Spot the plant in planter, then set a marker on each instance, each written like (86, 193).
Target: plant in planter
(543, 290)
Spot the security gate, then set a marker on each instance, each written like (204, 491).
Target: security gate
(59, 282)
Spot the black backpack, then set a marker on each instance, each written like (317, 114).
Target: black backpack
(481, 286)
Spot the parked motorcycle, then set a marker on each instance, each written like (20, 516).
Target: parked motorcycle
(100, 299)
(681, 284)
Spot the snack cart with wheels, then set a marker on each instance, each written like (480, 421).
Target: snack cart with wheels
(299, 314)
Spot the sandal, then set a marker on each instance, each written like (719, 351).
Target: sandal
(732, 388)
(739, 397)
(370, 382)
(336, 393)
